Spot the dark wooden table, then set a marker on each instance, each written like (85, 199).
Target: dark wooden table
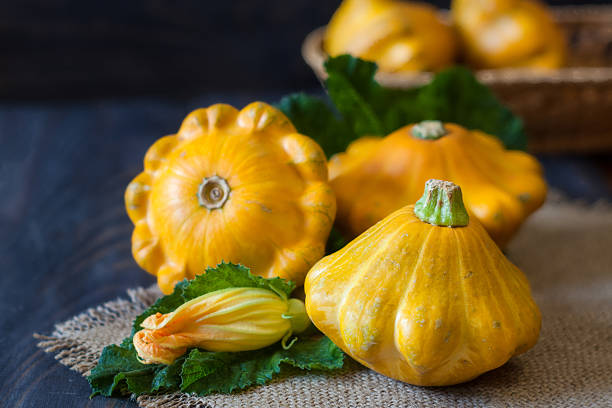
(65, 237)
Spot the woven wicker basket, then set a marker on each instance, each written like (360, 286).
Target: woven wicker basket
(565, 110)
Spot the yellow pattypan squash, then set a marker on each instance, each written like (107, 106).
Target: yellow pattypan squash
(397, 35)
(376, 176)
(424, 296)
(509, 33)
(232, 186)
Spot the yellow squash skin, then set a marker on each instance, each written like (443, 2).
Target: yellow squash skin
(423, 304)
(399, 36)
(376, 176)
(509, 33)
(234, 186)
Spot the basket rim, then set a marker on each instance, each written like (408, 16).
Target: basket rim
(590, 13)
(315, 56)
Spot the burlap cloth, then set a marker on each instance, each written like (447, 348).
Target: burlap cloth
(566, 251)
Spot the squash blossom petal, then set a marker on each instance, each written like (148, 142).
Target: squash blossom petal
(234, 319)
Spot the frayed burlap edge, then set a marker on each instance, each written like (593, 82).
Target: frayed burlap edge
(71, 342)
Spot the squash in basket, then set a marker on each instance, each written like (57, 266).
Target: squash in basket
(424, 296)
(232, 186)
(376, 176)
(509, 33)
(397, 35)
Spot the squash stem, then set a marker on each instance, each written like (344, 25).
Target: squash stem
(428, 130)
(442, 205)
(298, 317)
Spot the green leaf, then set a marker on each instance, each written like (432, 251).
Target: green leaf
(228, 275)
(355, 93)
(119, 372)
(366, 108)
(335, 242)
(168, 378)
(205, 372)
(313, 117)
(456, 96)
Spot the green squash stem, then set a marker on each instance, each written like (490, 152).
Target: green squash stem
(442, 205)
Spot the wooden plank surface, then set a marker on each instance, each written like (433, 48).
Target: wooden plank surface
(65, 237)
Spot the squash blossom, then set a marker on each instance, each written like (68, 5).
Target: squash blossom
(234, 319)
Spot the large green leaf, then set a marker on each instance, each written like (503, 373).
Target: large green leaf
(363, 107)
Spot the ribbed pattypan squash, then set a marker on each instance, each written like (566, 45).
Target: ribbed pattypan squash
(376, 176)
(397, 35)
(424, 296)
(509, 33)
(232, 186)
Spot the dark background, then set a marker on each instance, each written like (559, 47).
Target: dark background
(85, 88)
(63, 49)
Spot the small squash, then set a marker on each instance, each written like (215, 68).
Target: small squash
(509, 33)
(397, 35)
(232, 186)
(376, 176)
(424, 296)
